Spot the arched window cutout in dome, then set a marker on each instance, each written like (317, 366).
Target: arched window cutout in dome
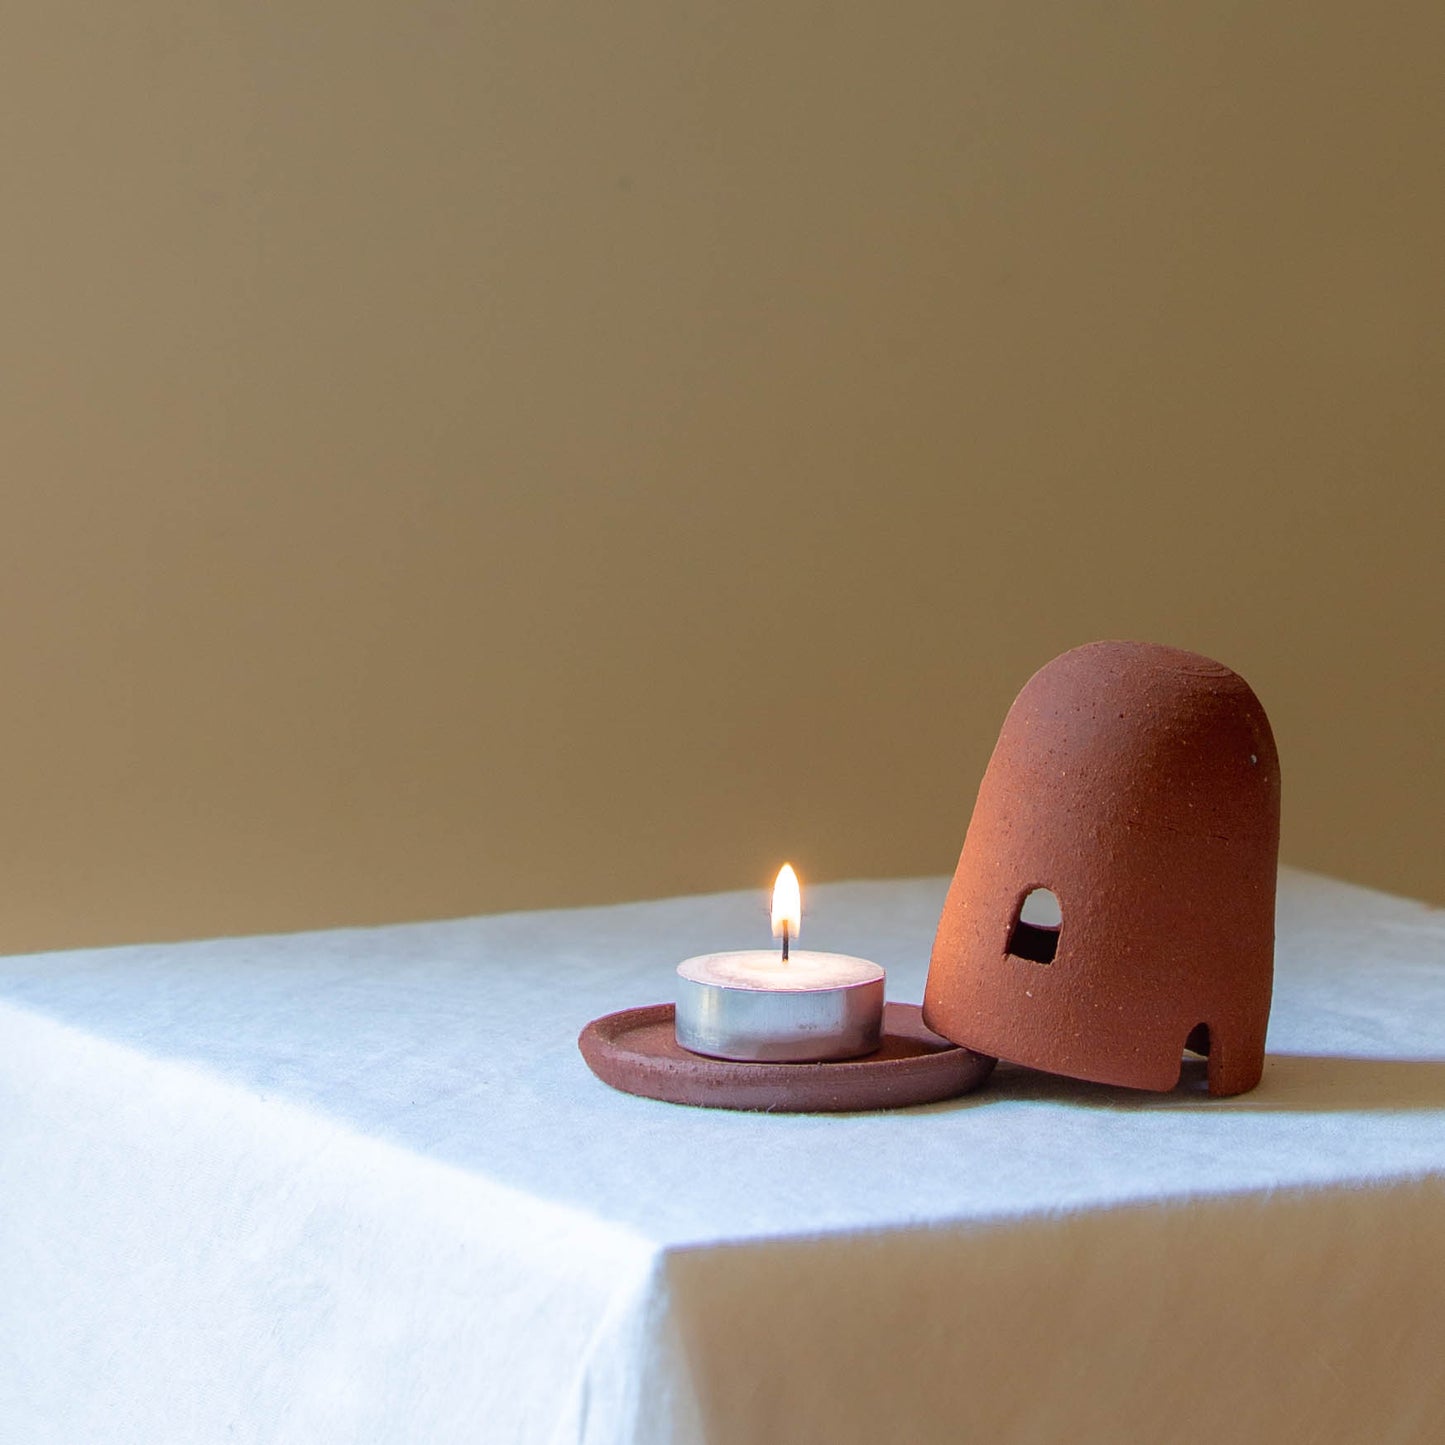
(1035, 934)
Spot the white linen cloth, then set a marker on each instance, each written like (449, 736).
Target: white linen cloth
(359, 1186)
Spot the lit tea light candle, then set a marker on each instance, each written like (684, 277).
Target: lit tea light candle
(783, 1006)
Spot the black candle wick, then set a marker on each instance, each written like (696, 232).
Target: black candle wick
(785, 940)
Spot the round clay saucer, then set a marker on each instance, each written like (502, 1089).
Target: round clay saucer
(637, 1051)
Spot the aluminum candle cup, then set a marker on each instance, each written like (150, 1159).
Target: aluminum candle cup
(752, 1006)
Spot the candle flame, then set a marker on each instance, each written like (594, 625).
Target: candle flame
(787, 903)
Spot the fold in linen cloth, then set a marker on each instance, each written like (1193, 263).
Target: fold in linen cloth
(358, 1186)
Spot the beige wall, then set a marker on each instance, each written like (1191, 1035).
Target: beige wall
(471, 456)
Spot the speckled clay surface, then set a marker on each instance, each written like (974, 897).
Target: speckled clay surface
(636, 1051)
(1139, 784)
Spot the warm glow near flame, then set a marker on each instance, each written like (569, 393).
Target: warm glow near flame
(787, 903)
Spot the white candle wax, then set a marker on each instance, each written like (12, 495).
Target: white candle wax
(754, 1006)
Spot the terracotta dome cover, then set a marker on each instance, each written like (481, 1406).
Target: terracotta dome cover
(1140, 786)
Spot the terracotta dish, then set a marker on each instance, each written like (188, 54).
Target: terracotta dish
(637, 1052)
